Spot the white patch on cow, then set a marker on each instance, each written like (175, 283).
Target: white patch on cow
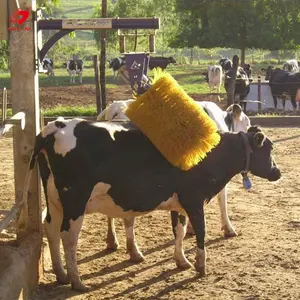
(51, 127)
(172, 204)
(110, 127)
(65, 140)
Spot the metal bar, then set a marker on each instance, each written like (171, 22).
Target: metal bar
(17, 119)
(4, 105)
(47, 46)
(12, 213)
(99, 23)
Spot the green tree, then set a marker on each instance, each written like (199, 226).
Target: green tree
(242, 24)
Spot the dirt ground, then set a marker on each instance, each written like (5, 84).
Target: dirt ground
(263, 262)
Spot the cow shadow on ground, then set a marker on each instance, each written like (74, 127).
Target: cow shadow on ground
(56, 290)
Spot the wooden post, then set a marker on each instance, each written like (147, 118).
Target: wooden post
(97, 83)
(103, 57)
(25, 96)
(259, 93)
(231, 81)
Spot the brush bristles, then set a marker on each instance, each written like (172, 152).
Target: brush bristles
(174, 123)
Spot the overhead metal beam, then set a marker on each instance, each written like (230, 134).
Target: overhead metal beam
(100, 23)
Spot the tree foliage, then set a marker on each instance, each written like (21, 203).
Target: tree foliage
(266, 24)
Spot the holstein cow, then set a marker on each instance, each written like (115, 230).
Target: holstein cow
(226, 64)
(74, 67)
(115, 64)
(160, 62)
(115, 170)
(48, 67)
(233, 119)
(291, 65)
(215, 76)
(242, 85)
(283, 84)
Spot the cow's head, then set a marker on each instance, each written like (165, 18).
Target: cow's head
(172, 60)
(268, 72)
(262, 163)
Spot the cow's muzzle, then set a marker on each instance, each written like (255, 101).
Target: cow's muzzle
(274, 174)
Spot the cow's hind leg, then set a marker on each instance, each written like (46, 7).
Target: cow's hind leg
(131, 245)
(52, 227)
(111, 238)
(70, 239)
(226, 224)
(179, 230)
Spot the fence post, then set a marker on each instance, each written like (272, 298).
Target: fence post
(97, 82)
(259, 93)
(25, 96)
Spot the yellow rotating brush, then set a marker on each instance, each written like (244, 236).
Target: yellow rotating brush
(174, 123)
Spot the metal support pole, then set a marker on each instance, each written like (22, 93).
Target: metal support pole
(259, 93)
(103, 58)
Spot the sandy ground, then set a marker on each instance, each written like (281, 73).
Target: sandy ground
(263, 262)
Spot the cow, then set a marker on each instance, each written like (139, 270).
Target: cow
(242, 85)
(214, 77)
(235, 119)
(115, 170)
(248, 70)
(48, 67)
(283, 83)
(74, 67)
(160, 62)
(115, 64)
(291, 65)
(226, 64)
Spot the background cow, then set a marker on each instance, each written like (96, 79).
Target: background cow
(242, 85)
(115, 170)
(48, 67)
(160, 62)
(283, 84)
(115, 64)
(226, 64)
(291, 65)
(214, 77)
(74, 67)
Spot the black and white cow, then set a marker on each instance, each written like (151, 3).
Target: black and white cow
(283, 84)
(48, 67)
(114, 169)
(115, 64)
(214, 77)
(291, 65)
(226, 64)
(160, 62)
(242, 85)
(74, 67)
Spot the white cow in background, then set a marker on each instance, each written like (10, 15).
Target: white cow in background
(215, 75)
(291, 65)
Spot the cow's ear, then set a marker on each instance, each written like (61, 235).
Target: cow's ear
(258, 139)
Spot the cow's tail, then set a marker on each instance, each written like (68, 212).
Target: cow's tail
(23, 219)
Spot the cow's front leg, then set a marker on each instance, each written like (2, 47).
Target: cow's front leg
(80, 77)
(179, 230)
(197, 219)
(70, 239)
(229, 230)
(111, 238)
(131, 245)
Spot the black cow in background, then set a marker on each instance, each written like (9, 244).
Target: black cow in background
(283, 84)
(115, 64)
(160, 62)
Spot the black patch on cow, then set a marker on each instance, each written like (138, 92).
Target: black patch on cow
(60, 124)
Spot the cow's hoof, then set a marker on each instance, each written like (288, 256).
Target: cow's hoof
(183, 265)
(80, 287)
(63, 279)
(201, 270)
(230, 234)
(136, 257)
(112, 246)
